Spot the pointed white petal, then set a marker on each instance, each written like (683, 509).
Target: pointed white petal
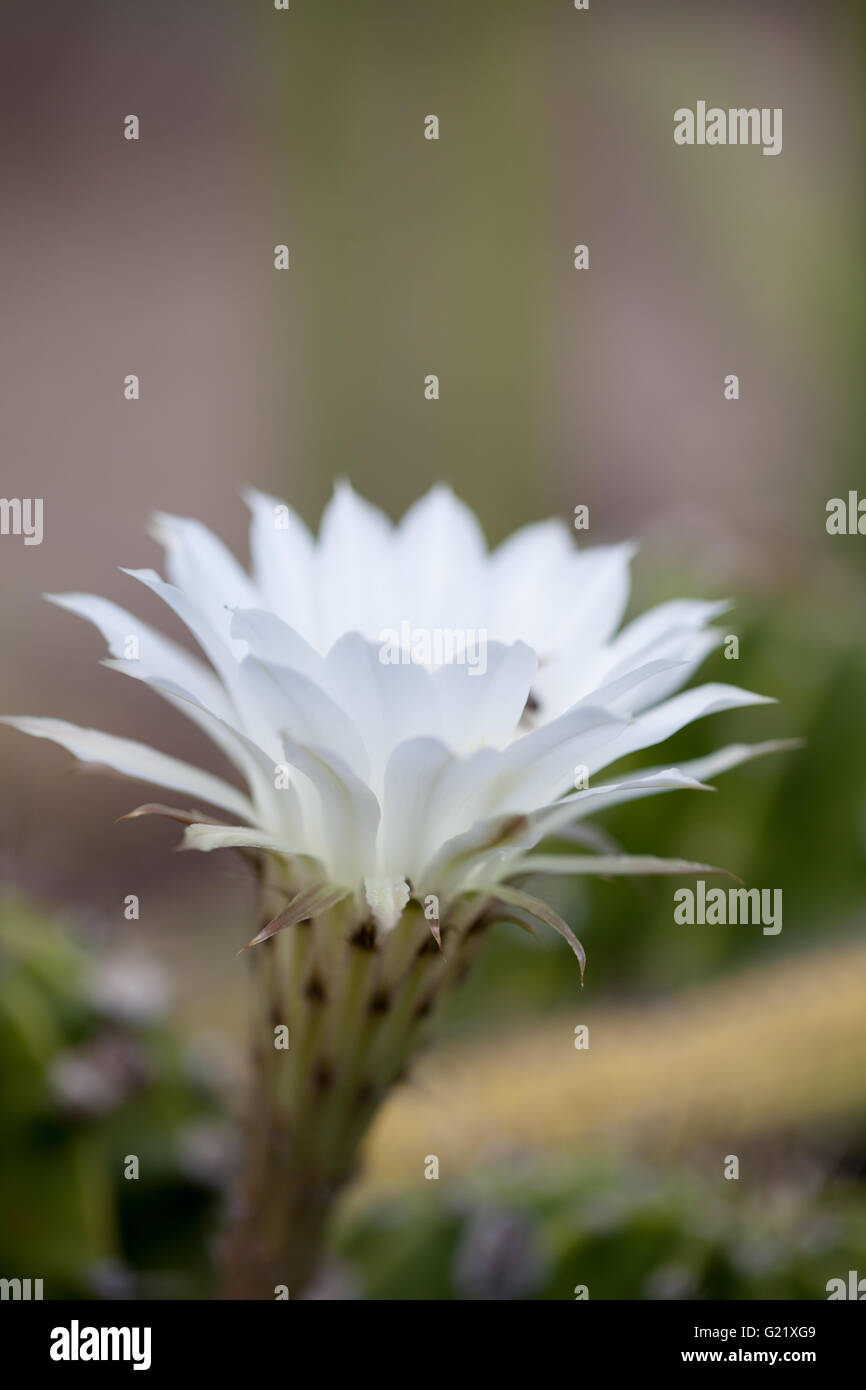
(610, 865)
(353, 564)
(540, 767)
(215, 642)
(600, 584)
(389, 703)
(689, 776)
(158, 657)
(302, 710)
(137, 761)
(530, 596)
(283, 561)
(591, 800)
(622, 692)
(723, 759)
(464, 791)
(208, 837)
(440, 554)
(676, 615)
(484, 706)
(408, 818)
(342, 816)
(220, 729)
(270, 639)
(156, 654)
(203, 569)
(660, 723)
(276, 806)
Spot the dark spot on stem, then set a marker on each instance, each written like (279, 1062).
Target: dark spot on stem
(323, 1076)
(380, 1003)
(315, 990)
(364, 937)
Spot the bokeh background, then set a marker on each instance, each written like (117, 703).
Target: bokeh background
(558, 1167)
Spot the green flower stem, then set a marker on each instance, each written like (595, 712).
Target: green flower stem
(356, 1005)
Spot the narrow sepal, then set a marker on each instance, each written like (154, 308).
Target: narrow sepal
(536, 908)
(310, 902)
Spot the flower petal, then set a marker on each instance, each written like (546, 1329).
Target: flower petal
(610, 865)
(341, 819)
(136, 760)
(658, 724)
(439, 560)
(354, 543)
(283, 555)
(209, 837)
(203, 569)
(484, 706)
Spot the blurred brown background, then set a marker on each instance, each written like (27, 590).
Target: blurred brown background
(603, 386)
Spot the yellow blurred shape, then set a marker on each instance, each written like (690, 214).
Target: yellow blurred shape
(770, 1050)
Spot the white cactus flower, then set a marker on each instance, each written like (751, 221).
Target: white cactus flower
(408, 717)
(401, 777)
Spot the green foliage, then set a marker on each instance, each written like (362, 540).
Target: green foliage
(624, 1231)
(84, 1088)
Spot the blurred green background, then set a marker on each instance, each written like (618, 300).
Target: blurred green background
(558, 1168)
